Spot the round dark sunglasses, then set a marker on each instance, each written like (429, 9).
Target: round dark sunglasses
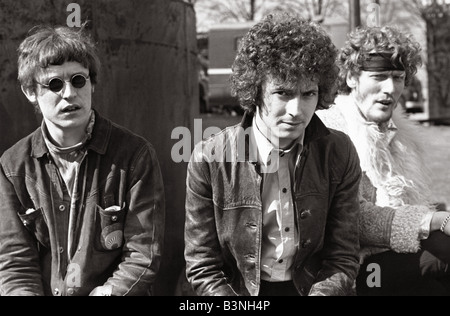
(78, 81)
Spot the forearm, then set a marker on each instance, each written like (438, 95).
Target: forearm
(205, 274)
(20, 277)
(20, 272)
(399, 229)
(406, 228)
(133, 278)
(337, 285)
(340, 260)
(143, 229)
(203, 253)
(438, 220)
(375, 224)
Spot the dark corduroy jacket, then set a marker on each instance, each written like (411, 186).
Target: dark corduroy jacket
(120, 248)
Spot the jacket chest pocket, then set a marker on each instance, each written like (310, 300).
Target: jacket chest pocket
(35, 223)
(110, 225)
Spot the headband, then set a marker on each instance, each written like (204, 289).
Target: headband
(381, 62)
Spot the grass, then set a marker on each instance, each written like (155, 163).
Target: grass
(438, 157)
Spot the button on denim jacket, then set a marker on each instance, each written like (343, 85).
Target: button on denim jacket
(119, 222)
(223, 228)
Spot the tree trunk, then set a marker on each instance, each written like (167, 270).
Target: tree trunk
(149, 84)
(355, 14)
(438, 45)
(252, 10)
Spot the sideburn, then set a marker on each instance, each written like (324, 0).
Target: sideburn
(259, 102)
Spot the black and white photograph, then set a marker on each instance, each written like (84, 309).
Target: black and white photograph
(252, 150)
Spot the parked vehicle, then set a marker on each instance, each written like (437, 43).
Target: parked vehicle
(412, 99)
(222, 45)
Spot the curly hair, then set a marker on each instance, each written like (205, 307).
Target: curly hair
(387, 39)
(46, 45)
(289, 49)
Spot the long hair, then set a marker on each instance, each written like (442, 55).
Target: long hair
(404, 48)
(288, 49)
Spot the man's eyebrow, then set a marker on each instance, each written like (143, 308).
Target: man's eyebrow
(310, 89)
(388, 72)
(285, 87)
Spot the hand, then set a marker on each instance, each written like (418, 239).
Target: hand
(105, 290)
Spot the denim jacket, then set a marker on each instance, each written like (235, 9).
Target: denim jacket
(118, 247)
(224, 215)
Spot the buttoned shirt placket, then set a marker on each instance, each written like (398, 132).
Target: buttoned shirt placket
(279, 245)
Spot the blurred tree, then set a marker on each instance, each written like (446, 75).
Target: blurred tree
(401, 13)
(355, 13)
(222, 11)
(315, 10)
(230, 10)
(436, 14)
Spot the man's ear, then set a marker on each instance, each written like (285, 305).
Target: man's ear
(30, 94)
(352, 81)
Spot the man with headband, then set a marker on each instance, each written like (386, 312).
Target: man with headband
(398, 217)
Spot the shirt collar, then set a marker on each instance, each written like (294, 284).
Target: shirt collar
(60, 150)
(99, 140)
(265, 147)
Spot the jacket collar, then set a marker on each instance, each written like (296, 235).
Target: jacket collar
(315, 130)
(98, 143)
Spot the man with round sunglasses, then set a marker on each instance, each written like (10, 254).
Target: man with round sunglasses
(78, 81)
(82, 199)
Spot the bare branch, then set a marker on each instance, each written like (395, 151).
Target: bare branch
(240, 10)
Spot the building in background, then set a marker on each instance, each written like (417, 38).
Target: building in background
(420, 105)
(220, 45)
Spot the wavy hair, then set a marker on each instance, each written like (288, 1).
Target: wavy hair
(289, 49)
(368, 40)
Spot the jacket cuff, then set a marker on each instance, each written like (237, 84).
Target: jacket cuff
(375, 225)
(406, 228)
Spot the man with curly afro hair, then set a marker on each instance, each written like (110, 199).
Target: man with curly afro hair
(400, 229)
(272, 203)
